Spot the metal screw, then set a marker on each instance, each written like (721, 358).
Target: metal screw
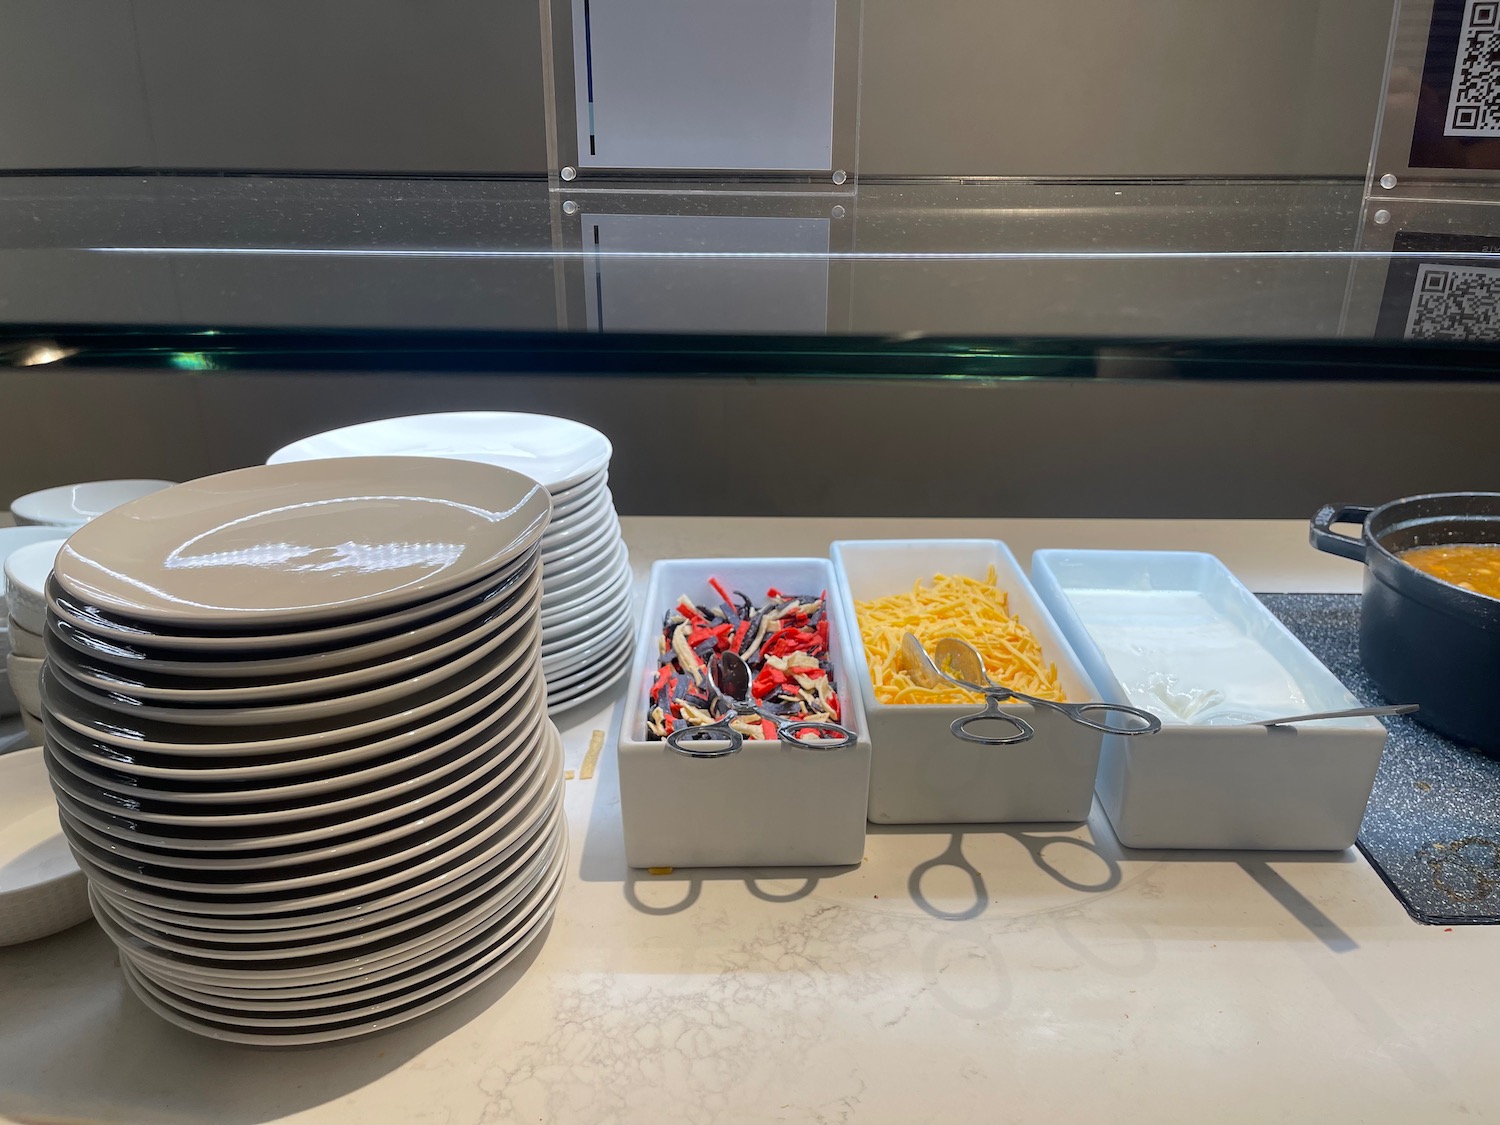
(1387, 181)
(570, 173)
(569, 207)
(1382, 216)
(839, 176)
(838, 211)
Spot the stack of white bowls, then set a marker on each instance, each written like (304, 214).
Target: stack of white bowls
(296, 728)
(70, 506)
(28, 553)
(587, 621)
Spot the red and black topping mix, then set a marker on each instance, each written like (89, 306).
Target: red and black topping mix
(784, 642)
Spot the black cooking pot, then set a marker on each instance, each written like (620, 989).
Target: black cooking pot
(1421, 639)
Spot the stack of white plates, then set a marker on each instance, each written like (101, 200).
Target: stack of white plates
(26, 569)
(296, 729)
(587, 620)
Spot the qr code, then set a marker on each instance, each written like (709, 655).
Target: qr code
(1474, 101)
(1455, 303)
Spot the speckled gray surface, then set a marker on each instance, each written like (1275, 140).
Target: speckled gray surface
(1433, 822)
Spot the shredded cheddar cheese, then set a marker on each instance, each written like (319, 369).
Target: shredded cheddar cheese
(953, 606)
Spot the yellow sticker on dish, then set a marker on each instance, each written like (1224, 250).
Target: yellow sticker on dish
(952, 605)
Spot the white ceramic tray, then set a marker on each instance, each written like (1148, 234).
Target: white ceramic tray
(768, 805)
(1213, 786)
(921, 773)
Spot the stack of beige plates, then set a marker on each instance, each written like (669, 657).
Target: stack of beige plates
(588, 623)
(296, 728)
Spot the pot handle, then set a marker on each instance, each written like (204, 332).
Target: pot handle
(1322, 536)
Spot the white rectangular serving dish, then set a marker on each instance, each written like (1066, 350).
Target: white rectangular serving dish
(922, 773)
(1301, 788)
(770, 805)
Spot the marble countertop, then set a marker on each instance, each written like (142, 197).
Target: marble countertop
(991, 974)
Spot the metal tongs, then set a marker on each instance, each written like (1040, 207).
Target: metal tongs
(959, 663)
(729, 681)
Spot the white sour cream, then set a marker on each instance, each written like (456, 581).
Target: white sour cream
(1185, 661)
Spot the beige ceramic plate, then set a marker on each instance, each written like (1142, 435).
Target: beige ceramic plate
(288, 545)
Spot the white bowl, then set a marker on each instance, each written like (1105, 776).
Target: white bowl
(13, 539)
(73, 505)
(921, 772)
(557, 452)
(20, 640)
(33, 725)
(26, 571)
(768, 805)
(295, 546)
(1198, 785)
(42, 890)
(25, 676)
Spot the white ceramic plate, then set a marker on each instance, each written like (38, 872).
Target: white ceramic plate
(575, 490)
(576, 647)
(492, 879)
(606, 667)
(610, 605)
(26, 571)
(558, 452)
(595, 544)
(353, 687)
(575, 526)
(587, 564)
(476, 973)
(41, 887)
(607, 587)
(301, 894)
(73, 505)
(556, 705)
(294, 545)
(558, 589)
(242, 658)
(22, 641)
(104, 725)
(570, 499)
(463, 867)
